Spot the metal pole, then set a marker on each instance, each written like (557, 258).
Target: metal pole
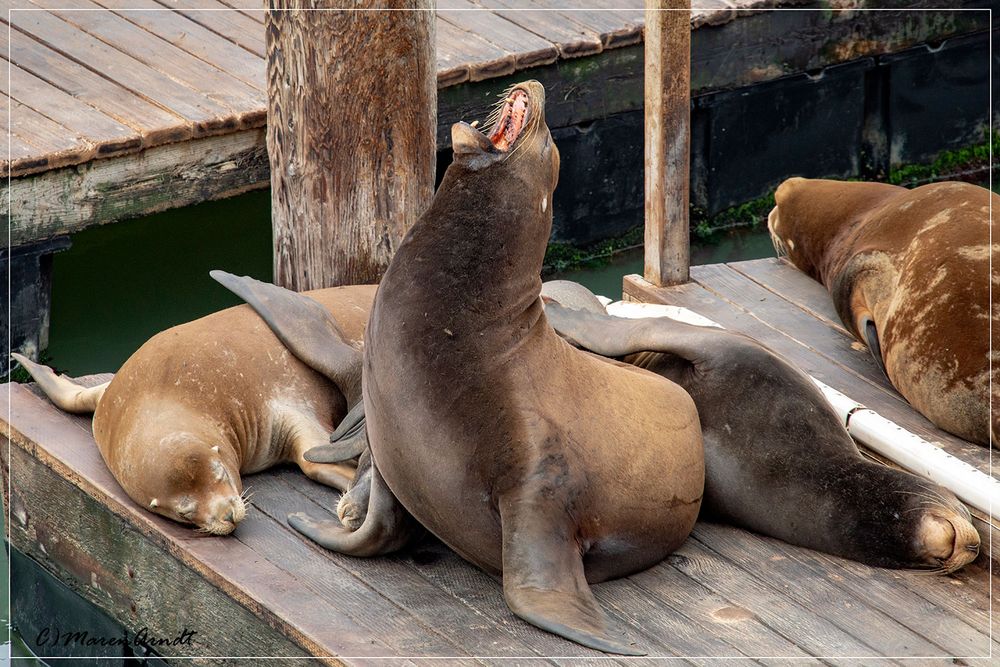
(668, 144)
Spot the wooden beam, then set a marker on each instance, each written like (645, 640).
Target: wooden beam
(352, 113)
(668, 140)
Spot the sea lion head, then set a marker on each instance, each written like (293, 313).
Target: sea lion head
(519, 141)
(813, 220)
(923, 526)
(198, 484)
(945, 539)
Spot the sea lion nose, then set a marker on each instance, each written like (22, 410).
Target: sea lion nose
(229, 516)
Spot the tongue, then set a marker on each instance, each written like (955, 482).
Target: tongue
(511, 122)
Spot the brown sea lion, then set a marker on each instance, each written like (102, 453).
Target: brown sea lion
(493, 432)
(909, 274)
(202, 403)
(779, 461)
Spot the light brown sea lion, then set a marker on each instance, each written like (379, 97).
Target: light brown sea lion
(909, 274)
(202, 403)
(493, 432)
(779, 461)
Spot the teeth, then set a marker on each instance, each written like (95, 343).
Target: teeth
(474, 123)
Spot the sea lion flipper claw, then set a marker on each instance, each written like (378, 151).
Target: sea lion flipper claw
(305, 327)
(544, 581)
(387, 526)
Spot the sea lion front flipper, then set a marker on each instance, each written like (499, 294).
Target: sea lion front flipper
(387, 526)
(305, 327)
(543, 576)
(871, 340)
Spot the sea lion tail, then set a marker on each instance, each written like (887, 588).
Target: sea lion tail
(63, 392)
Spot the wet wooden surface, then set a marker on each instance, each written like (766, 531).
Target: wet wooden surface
(725, 592)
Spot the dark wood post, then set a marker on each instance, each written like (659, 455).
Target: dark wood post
(351, 119)
(668, 142)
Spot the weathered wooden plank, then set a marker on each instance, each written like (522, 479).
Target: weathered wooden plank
(255, 9)
(334, 589)
(60, 145)
(572, 40)
(235, 26)
(244, 101)
(204, 114)
(193, 38)
(57, 202)
(526, 48)
(613, 31)
(796, 621)
(874, 587)
(833, 342)
(155, 124)
(462, 56)
(104, 559)
(108, 135)
(851, 613)
(713, 618)
(780, 277)
(473, 622)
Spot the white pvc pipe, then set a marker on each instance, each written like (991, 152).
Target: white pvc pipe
(906, 449)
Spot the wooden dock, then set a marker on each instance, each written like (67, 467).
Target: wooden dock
(121, 108)
(267, 592)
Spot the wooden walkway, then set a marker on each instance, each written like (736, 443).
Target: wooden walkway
(121, 108)
(264, 591)
(87, 84)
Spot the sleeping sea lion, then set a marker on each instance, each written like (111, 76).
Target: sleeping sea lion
(778, 460)
(494, 433)
(909, 274)
(202, 403)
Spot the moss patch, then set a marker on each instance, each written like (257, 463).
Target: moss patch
(561, 257)
(948, 164)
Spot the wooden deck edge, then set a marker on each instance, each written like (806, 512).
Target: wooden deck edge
(67, 200)
(93, 544)
(637, 289)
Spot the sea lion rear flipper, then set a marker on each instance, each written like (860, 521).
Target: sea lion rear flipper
(305, 327)
(63, 392)
(387, 526)
(543, 577)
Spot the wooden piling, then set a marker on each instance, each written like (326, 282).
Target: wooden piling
(351, 119)
(667, 144)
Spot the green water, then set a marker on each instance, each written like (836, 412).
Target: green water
(732, 246)
(120, 284)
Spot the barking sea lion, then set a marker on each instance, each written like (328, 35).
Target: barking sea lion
(909, 274)
(202, 403)
(493, 432)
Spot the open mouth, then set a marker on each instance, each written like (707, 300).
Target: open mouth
(513, 118)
